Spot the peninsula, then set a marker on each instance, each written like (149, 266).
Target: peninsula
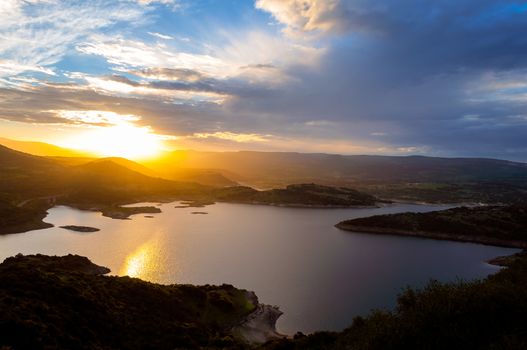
(492, 225)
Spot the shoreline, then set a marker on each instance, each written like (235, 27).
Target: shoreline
(442, 236)
(259, 326)
(122, 212)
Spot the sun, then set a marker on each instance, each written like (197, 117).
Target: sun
(127, 141)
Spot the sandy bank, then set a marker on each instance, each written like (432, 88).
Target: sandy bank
(260, 325)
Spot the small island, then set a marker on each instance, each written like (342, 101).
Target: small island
(80, 228)
(491, 225)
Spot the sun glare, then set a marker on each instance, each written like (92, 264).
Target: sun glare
(109, 134)
(126, 141)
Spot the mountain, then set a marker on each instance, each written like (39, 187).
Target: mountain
(210, 177)
(23, 175)
(29, 185)
(412, 178)
(11, 160)
(41, 148)
(271, 169)
(126, 163)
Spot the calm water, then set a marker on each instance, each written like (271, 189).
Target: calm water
(320, 277)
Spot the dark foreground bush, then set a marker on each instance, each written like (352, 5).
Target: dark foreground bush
(65, 303)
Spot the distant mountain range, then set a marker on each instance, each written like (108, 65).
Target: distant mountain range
(272, 169)
(411, 178)
(279, 169)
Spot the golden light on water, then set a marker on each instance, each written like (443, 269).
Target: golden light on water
(143, 262)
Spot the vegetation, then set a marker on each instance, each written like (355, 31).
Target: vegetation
(20, 219)
(65, 303)
(462, 192)
(308, 195)
(278, 169)
(488, 314)
(496, 225)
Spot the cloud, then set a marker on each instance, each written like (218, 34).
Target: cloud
(36, 34)
(161, 36)
(173, 4)
(308, 15)
(179, 74)
(134, 54)
(255, 55)
(406, 76)
(169, 91)
(12, 68)
(230, 136)
(95, 118)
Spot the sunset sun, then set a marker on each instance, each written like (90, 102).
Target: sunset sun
(126, 141)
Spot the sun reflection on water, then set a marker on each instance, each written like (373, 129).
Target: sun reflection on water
(144, 262)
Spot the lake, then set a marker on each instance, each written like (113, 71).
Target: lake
(319, 276)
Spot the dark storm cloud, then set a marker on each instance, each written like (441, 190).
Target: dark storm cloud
(417, 65)
(447, 77)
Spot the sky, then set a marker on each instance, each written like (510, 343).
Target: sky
(398, 77)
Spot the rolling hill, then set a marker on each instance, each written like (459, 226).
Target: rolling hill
(412, 178)
(283, 168)
(41, 148)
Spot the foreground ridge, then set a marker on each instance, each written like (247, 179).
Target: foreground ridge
(66, 303)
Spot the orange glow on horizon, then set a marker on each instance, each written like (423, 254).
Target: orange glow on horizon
(125, 141)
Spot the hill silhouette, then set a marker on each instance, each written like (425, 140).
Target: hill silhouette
(31, 184)
(282, 168)
(41, 148)
(408, 178)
